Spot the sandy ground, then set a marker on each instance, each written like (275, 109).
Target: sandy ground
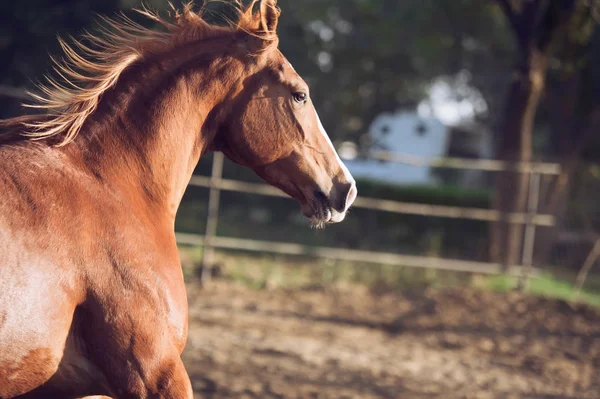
(350, 343)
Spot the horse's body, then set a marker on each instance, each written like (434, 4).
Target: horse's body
(64, 307)
(92, 298)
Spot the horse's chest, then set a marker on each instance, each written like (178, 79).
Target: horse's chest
(153, 295)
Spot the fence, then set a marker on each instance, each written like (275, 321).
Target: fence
(531, 219)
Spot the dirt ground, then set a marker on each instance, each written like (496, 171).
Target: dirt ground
(350, 343)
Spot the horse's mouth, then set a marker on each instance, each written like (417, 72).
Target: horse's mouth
(320, 212)
(316, 206)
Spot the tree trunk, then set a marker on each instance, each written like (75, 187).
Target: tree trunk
(562, 137)
(535, 24)
(515, 144)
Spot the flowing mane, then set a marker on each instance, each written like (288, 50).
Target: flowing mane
(93, 64)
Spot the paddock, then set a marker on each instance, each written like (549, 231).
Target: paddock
(350, 342)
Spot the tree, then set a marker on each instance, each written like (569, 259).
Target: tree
(362, 57)
(535, 25)
(365, 57)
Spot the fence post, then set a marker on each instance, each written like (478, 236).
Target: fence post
(585, 269)
(533, 196)
(208, 257)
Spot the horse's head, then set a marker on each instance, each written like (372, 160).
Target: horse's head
(273, 128)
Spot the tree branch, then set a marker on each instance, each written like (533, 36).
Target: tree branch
(556, 15)
(512, 15)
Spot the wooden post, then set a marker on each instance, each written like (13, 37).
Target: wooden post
(208, 257)
(587, 266)
(533, 197)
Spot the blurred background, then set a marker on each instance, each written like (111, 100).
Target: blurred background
(473, 129)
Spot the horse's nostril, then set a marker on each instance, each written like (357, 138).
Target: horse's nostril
(352, 193)
(344, 195)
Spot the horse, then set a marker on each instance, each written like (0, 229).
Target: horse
(92, 295)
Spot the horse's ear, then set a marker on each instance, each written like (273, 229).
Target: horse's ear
(269, 15)
(261, 17)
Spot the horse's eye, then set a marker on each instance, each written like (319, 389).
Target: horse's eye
(299, 97)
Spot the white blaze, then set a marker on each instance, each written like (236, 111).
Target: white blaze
(347, 174)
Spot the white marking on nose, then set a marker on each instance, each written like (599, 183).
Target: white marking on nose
(347, 174)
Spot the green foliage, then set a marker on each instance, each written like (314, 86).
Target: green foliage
(379, 56)
(546, 285)
(364, 57)
(446, 195)
(361, 57)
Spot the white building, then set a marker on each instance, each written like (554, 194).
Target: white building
(408, 133)
(422, 137)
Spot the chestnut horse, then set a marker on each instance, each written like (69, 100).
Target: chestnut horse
(92, 297)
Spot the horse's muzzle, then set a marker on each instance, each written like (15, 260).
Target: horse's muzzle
(331, 208)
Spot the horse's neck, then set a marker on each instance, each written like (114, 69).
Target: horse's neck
(147, 143)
